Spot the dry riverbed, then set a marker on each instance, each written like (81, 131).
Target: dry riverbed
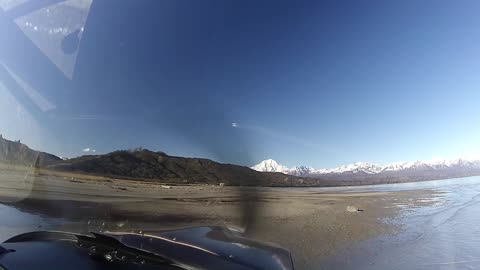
(312, 223)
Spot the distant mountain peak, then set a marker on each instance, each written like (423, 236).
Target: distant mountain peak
(269, 165)
(367, 169)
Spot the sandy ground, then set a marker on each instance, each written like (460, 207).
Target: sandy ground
(311, 223)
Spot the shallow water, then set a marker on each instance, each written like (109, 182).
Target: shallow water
(14, 222)
(443, 235)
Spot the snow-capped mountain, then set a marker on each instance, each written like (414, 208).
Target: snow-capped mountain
(434, 169)
(358, 167)
(270, 165)
(301, 170)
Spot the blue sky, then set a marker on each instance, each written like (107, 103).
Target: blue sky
(307, 82)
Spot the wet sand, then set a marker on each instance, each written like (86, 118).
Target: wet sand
(312, 223)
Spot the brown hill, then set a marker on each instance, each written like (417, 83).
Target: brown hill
(14, 152)
(156, 166)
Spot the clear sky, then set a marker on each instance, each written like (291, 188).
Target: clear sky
(318, 83)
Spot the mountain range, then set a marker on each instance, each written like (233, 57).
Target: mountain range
(401, 171)
(146, 165)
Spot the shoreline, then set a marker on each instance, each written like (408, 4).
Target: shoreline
(313, 224)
